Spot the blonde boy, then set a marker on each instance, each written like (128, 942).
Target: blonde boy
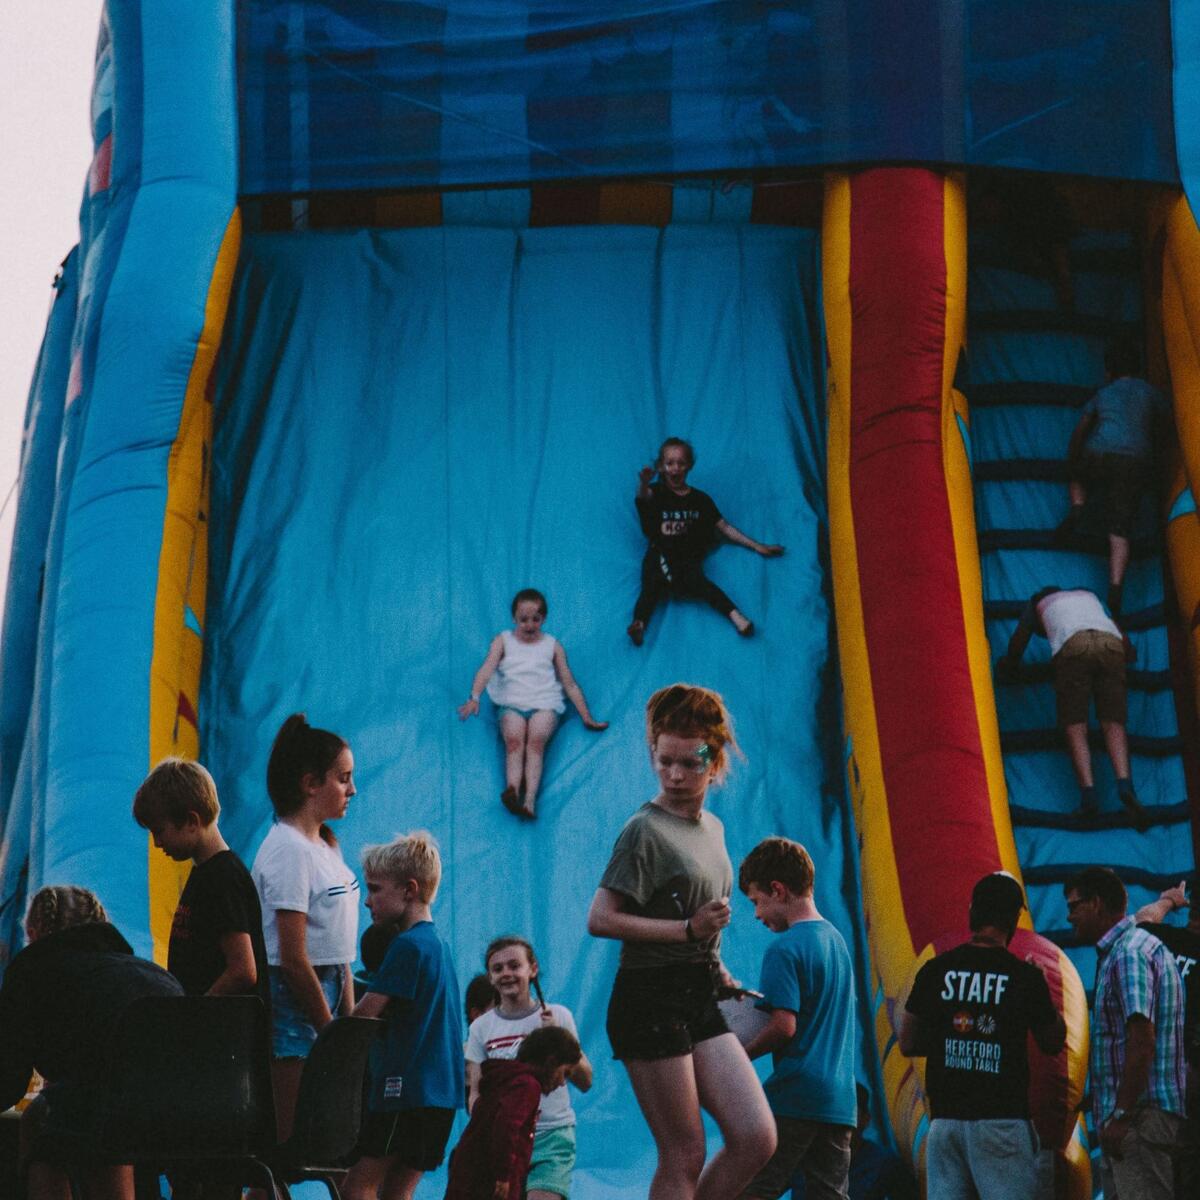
(417, 1080)
(216, 945)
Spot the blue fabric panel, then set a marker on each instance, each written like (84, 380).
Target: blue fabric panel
(413, 425)
(1041, 780)
(1185, 85)
(396, 93)
(164, 89)
(23, 602)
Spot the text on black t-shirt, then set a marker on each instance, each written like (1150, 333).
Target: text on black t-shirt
(976, 1005)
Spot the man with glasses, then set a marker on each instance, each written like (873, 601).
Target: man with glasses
(1137, 1072)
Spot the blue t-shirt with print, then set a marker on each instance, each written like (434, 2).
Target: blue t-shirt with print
(420, 1062)
(1126, 411)
(807, 970)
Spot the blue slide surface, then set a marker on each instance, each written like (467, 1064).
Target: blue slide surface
(412, 425)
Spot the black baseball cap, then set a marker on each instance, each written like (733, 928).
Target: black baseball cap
(998, 893)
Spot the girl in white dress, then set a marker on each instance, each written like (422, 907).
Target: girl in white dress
(527, 677)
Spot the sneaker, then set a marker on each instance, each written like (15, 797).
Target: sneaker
(1142, 819)
(637, 632)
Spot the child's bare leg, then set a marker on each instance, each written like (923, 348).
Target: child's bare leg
(109, 1183)
(666, 1093)
(541, 729)
(47, 1182)
(1118, 558)
(1117, 744)
(513, 730)
(1067, 530)
(730, 1091)
(400, 1183)
(1081, 754)
(364, 1178)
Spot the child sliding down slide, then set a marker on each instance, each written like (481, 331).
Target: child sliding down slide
(681, 522)
(526, 675)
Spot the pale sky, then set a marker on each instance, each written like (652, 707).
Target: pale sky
(47, 49)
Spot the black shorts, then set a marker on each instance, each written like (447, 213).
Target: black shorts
(1120, 479)
(663, 1012)
(416, 1137)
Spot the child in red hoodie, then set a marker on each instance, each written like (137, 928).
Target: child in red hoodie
(492, 1157)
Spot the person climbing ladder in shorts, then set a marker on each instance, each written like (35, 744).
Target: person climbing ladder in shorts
(681, 522)
(1089, 653)
(1112, 449)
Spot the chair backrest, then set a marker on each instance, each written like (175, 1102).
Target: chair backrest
(189, 1077)
(329, 1106)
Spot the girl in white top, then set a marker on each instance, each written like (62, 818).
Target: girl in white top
(526, 676)
(512, 967)
(309, 899)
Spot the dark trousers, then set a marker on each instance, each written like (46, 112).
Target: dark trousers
(683, 580)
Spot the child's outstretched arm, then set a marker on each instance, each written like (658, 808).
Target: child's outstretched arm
(735, 535)
(574, 691)
(486, 669)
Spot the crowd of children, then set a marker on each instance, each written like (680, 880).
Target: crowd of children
(287, 931)
(665, 895)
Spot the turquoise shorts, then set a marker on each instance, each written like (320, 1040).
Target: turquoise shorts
(524, 713)
(553, 1161)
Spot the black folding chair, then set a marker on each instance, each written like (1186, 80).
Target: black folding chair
(188, 1090)
(329, 1107)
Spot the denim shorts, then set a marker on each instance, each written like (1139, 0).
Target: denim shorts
(292, 1033)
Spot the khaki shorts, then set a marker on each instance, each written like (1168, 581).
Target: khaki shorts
(1090, 663)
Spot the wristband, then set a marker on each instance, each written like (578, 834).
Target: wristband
(688, 931)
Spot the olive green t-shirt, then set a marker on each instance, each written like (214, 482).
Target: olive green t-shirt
(669, 866)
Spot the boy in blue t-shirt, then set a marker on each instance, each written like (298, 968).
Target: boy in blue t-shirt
(417, 1072)
(808, 990)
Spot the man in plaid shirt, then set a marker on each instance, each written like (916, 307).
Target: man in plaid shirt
(1137, 1041)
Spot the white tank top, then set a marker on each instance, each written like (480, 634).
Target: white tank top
(1064, 614)
(525, 677)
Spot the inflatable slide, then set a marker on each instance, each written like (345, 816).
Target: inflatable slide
(379, 308)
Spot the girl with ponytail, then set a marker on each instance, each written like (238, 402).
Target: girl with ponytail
(309, 898)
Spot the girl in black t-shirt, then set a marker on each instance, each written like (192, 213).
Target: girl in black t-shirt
(681, 523)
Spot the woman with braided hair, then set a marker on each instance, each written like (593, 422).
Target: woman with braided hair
(62, 994)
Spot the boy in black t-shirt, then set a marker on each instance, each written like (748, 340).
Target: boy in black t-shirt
(681, 524)
(970, 1013)
(216, 945)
